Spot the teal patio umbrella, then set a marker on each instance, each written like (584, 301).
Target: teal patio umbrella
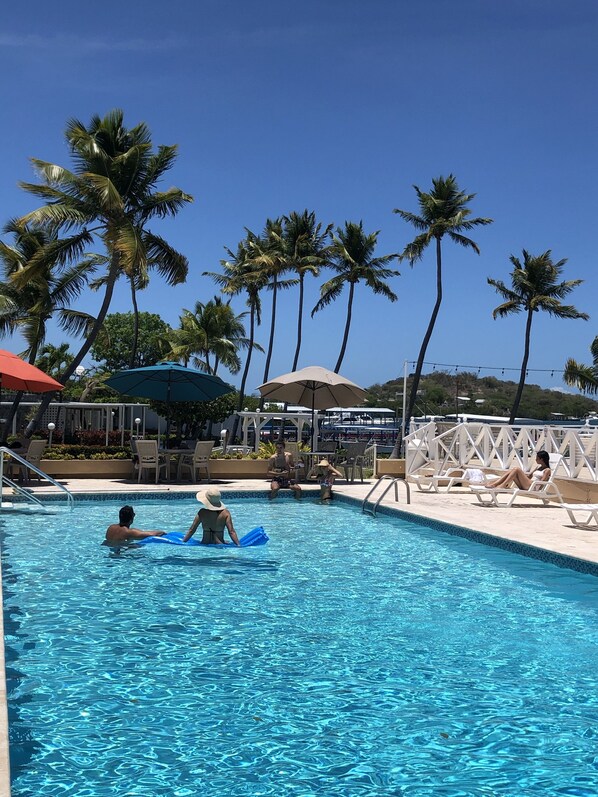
(168, 382)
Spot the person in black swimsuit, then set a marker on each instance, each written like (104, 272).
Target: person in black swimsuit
(279, 470)
(214, 518)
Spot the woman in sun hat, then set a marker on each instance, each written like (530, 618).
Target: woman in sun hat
(326, 474)
(214, 518)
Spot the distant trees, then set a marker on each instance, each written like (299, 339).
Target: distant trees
(534, 287)
(112, 347)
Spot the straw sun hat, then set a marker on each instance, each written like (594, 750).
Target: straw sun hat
(323, 463)
(210, 498)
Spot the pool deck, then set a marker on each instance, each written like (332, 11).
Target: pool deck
(529, 522)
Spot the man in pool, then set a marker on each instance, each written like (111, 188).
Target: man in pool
(280, 465)
(214, 518)
(120, 533)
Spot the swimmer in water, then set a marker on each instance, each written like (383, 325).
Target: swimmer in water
(121, 533)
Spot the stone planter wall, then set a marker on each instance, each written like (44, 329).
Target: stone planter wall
(88, 468)
(390, 467)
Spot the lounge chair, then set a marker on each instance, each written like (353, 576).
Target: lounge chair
(449, 478)
(545, 491)
(353, 461)
(590, 511)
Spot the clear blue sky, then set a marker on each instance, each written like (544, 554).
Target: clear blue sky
(338, 106)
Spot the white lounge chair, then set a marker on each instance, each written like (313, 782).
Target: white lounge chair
(445, 480)
(545, 491)
(590, 511)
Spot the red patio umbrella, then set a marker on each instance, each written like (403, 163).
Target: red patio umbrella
(16, 374)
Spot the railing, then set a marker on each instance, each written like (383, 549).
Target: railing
(8, 453)
(503, 447)
(392, 482)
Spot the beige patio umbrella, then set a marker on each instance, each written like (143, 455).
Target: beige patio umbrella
(313, 387)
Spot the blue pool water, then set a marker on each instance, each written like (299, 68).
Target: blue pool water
(349, 656)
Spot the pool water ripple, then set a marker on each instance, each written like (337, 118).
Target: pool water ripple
(349, 656)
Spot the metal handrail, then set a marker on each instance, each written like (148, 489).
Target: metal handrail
(392, 481)
(25, 493)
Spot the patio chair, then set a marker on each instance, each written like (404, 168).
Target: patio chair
(151, 459)
(589, 511)
(446, 479)
(545, 491)
(34, 457)
(196, 461)
(353, 459)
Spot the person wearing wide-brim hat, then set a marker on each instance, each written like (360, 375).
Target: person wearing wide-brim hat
(326, 474)
(214, 518)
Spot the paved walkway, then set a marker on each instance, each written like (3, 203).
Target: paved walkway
(528, 522)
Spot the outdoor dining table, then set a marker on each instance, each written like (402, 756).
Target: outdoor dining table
(176, 454)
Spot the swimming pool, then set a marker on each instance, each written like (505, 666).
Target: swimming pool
(349, 656)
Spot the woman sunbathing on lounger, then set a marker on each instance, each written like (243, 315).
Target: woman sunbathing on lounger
(523, 480)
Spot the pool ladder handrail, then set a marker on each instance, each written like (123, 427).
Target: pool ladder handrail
(20, 490)
(392, 481)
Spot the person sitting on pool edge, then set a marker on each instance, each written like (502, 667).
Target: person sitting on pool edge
(279, 469)
(214, 517)
(121, 532)
(326, 474)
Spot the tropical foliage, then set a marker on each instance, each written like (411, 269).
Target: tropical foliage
(583, 377)
(109, 196)
(535, 286)
(112, 348)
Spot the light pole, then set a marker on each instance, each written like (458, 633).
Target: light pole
(137, 422)
(51, 427)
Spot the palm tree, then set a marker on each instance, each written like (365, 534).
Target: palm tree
(268, 253)
(306, 248)
(211, 329)
(111, 194)
(54, 359)
(583, 377)
(535, 287)
(243, 275)
(352, 257)
(443, 211)
(27, 308)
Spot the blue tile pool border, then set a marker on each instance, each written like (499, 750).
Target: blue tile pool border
(483, 538)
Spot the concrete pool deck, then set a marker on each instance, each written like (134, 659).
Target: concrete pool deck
(529, 522)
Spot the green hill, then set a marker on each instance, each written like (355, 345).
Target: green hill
(438, 391)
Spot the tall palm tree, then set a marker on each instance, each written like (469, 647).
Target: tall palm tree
(111, 194)
(54, 359)
(443, 211)
(307, 251)
(583, 377)
(268, 253)
(241, 274)
(534, 287)
(27, 308)
(352, 257)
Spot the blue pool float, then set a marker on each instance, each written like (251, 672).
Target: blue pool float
(256, 536)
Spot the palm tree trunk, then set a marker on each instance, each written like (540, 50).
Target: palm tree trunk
(341, 355)
(299, 321)
(133, 356)
(271, 341)
(233, 436)
(517, 401)
(422, 354)
(95, 330)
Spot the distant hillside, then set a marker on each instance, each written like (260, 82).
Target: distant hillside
(438, 391)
